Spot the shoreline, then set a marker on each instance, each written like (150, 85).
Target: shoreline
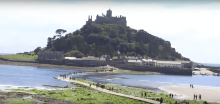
(88, 69)
(187, 93)
(40, 65)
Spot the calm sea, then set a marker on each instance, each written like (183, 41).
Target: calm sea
(210, 64)
(30, 76)
(5, 53)
(37, 77)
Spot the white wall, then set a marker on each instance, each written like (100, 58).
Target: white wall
(174, 65)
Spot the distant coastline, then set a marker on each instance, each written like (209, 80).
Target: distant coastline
(211, 64)
(6, 53)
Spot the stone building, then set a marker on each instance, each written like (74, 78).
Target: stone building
(108, 19)
(50, 55)
(171, 64)
(187, 64)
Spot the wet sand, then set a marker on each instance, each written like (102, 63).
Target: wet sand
(208, 94)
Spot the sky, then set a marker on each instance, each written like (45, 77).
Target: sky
(190, 25)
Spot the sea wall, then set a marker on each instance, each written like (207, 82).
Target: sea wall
(83, 63)
(55, 62)
(121, 65)
(165, 70)
(213, 69)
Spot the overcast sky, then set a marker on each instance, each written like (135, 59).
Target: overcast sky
(192, 27)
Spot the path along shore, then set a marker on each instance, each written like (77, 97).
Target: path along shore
(110, 92)
(187, 93)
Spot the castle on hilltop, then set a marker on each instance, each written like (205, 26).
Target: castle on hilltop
(108, 19)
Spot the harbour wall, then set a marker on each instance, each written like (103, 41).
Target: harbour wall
(81, 63)
(121, 65)
(84, 63)
(165, 70)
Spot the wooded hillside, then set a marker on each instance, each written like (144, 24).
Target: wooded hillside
(97, 39)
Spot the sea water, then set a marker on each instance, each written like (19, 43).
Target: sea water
(18, 76)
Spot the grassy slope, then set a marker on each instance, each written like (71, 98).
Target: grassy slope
(85, 95)
(20, 56)
(19, 101)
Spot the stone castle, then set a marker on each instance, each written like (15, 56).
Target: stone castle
(108, 19)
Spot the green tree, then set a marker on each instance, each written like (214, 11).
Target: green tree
(60, 31)
(74, 53)
(38, 49)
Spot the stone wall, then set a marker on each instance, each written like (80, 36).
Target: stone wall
(165, 70)
(55, 62)
(121, 65)
(85, 62)
(213, 69)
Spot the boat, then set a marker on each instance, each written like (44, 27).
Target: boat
(194, 73)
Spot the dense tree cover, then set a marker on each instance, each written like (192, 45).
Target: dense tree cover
(97, 39)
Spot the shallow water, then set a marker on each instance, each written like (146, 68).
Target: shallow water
(18, 76)
(14, 76)
(156, 81)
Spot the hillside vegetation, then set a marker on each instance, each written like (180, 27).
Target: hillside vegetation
(97, 39)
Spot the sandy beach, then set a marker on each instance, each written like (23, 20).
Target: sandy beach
(208, 94)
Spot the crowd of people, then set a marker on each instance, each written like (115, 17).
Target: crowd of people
(68, 75)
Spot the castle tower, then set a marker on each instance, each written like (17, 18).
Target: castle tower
(109, 13)
(89, 20)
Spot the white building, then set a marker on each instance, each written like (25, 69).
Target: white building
(70, 58)
(172, 64)
(149, 62)
(137, 62)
